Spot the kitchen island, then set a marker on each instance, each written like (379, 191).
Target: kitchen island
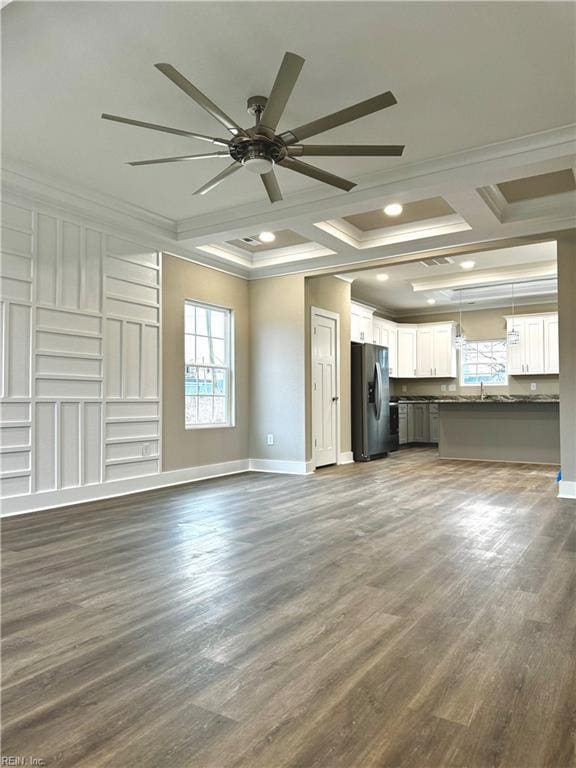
(500, 428)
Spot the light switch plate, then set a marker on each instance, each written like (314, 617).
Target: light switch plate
(442, 387)
(533, 386)
(270, 439)
(451, 387)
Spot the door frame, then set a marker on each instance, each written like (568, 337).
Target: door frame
(314, 312)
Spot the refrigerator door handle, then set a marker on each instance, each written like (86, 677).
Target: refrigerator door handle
(379, 389)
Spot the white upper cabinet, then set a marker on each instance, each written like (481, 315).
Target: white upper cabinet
(407, 351)
(386, 335)
(551, 351)
(537, 349)
(361, 324)
(436, 350)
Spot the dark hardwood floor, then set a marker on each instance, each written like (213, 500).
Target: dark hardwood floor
(406, 613)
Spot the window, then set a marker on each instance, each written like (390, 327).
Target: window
(484, 362)
(207, 366)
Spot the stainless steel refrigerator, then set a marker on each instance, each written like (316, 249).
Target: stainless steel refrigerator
(370, 401)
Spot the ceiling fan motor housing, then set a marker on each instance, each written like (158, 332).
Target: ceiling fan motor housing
(257, 155)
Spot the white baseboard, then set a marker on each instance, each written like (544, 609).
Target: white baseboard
(567, 489)
(282, 467)
(346, 457)
(64, 497)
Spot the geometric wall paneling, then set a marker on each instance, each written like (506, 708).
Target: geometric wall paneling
(15, 320)
(69, 265)
(79, 324)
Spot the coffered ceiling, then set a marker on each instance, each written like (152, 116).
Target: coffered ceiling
(486, 98)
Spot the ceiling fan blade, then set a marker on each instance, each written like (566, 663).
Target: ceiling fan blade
(272, 188)
(375, 104)
(165, 129)
(281, 90)
(315, 173)
(180, 159)
(200, 99)
(230, 169)
(347, 150)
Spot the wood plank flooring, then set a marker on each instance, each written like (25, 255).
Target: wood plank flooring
(408, 613)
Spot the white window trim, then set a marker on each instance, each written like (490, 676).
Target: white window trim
(486, 384)
(230, 354)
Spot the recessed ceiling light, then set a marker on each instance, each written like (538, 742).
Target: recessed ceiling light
(266, 237)
(467, 264)
(394, 209)
(382, 276)
(431, 301)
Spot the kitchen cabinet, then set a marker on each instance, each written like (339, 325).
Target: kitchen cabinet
(537, 348)
(417, 423)
(421, 423)
(436, 350)
(406, 351)
(385, 333)
(434, 423)
(551, 350)
(361, 323)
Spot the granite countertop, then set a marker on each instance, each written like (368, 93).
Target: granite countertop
(463, 399)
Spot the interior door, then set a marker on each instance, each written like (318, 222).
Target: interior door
(324, 389)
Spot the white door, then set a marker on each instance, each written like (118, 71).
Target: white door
(324, 388)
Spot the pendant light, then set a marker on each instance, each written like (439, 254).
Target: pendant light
(460, 337)
(513, 335)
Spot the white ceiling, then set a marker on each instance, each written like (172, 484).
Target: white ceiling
(397, 293)
(465, 75)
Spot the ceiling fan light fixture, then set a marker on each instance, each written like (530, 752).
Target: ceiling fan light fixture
(258, 165)
(393, 209)
(266, 237)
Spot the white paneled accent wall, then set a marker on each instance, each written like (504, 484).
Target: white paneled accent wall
(80, 353)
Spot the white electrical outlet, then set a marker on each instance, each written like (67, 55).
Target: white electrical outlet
(451, 387)
(442, 387)
(533, 386)
(270, 439)
(147, 449)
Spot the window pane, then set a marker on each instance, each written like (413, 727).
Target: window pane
(191, 406)
(218, 352)
(205, 376)
(202, 321)
(218, 323)
(219, 381)
(189, 318)
(189, 351)
(204, 410)
(190, 381)
(202, 349)
(220, 410)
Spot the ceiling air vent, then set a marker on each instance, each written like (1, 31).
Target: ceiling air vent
(436, 261)
(251, 241)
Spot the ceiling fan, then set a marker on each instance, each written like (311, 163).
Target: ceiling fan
(259, 149)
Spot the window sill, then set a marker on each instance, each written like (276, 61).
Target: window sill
(210, 426)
